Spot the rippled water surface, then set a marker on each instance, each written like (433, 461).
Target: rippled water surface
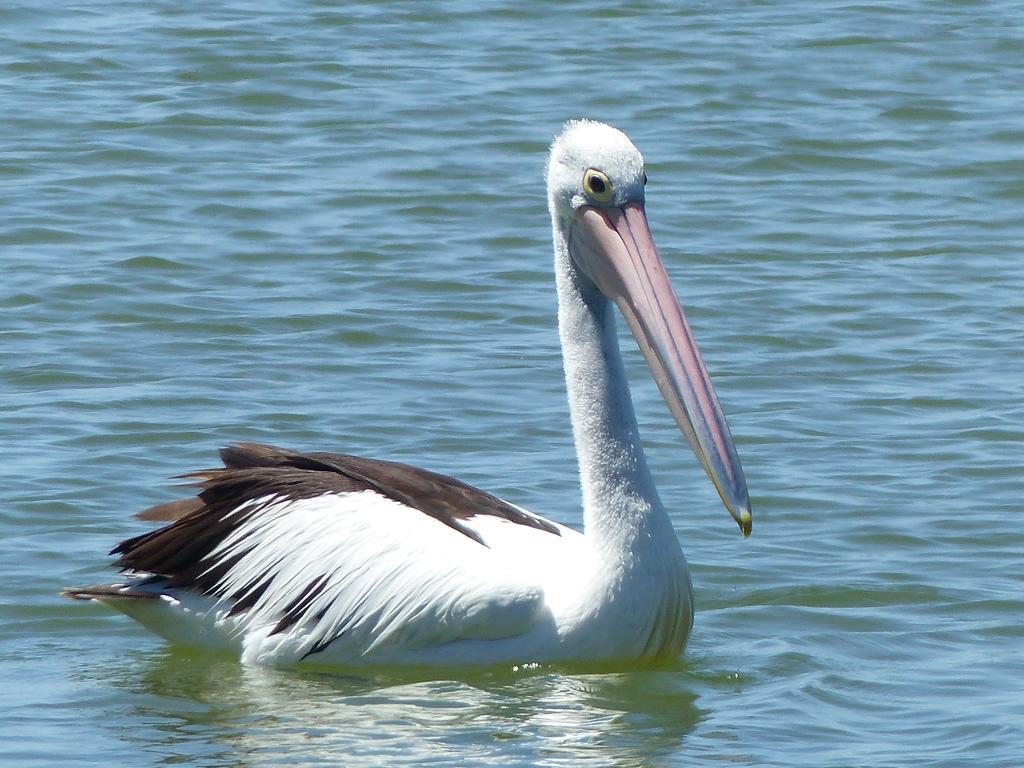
(324, 226)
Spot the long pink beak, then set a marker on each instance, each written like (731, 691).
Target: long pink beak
(615, 249)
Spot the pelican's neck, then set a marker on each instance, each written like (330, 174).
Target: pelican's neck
(620, 503)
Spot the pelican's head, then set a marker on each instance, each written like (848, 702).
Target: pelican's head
(593, 163)
(596, 193)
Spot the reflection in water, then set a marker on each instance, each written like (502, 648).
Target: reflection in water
(211, 711)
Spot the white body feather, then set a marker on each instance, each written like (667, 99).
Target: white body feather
(403, 588)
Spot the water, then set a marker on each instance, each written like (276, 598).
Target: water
(325, 227)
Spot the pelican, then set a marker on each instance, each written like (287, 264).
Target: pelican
(286, 557)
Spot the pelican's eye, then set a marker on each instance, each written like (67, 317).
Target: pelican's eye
(597, 186)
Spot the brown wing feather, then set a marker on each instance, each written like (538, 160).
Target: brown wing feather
(172, 510)
(254, 474)
(434, 494)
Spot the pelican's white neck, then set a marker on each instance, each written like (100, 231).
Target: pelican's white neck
(620, 502)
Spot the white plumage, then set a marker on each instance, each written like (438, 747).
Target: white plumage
(287, 557)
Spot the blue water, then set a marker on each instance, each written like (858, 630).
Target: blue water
(325, 227)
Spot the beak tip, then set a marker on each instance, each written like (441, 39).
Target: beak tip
(746, 521)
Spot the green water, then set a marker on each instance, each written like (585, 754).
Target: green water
(325, 227)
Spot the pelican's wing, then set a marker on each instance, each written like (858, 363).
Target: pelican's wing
(298, 553)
